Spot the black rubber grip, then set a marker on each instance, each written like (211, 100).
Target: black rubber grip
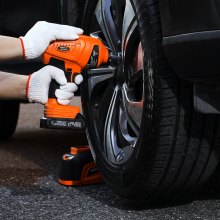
(54, 85)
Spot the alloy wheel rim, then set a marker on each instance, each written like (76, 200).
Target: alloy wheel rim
(116, 93)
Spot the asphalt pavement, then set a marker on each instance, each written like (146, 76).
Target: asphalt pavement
(30, 161)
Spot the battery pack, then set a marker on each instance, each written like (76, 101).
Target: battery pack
(63, 123)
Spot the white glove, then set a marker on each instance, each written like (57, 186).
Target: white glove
(39, 82)
(37, 39)
(66, 93)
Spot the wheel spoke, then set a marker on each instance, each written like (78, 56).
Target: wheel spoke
(124, 153)
(118, 14)
(118, 118)
(106, 22)
(110, 142)
(130, 38)
(97, 76)
(123, 123)
(133, 110)
(101, 100)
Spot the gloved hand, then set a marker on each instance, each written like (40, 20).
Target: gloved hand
(39, 82)
(37, 39)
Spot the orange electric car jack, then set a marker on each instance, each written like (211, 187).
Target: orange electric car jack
(79, 168)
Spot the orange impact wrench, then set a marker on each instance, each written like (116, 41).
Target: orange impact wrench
(72, 57)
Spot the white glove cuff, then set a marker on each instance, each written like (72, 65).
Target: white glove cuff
(30, 50)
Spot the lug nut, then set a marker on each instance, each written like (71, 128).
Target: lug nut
(115, 58)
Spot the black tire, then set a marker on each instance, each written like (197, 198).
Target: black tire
(9, 112)
(176, 148)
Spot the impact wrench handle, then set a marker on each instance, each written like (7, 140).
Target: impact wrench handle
(53, 109)
(68, 74)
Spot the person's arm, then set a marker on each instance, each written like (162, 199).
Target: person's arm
(34, 88)
(13, 86)
(36, 41)
(10, 48)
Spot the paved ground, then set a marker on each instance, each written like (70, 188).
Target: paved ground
(29, 190)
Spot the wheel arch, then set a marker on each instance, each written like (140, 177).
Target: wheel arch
(191, 37)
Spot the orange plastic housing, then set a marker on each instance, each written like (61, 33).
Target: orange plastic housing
(76, 53)
(53, 109)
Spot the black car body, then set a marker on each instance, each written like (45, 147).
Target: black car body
(191, 32)
(191, 40)
(191, 37)
(18, 17)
